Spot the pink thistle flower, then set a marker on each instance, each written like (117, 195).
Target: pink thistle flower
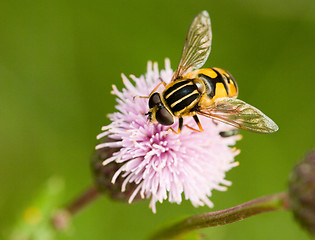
(162, 164)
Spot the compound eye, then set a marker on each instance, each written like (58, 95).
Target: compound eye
(154, 100)
(164, 117)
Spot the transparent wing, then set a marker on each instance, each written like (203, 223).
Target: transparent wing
(197, 45)
(240, 114)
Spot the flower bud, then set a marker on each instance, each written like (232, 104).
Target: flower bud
(302, 192)
(103, 175)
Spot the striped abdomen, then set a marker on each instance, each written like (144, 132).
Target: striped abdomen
(219, 83)
(181, 96)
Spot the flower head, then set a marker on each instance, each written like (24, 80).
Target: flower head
(162, 164)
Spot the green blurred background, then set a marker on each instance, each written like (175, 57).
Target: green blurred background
(58, 60)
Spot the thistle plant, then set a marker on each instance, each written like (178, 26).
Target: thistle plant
(139, 160)
(161, 164)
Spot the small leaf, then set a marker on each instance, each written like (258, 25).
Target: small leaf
(35, 221)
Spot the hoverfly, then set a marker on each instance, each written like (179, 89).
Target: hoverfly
(209, 92)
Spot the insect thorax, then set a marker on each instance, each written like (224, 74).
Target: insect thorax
(181, 96)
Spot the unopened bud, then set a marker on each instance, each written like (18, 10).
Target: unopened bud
(302, 192)
(103, 175)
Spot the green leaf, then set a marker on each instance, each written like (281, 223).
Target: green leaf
(35, 221)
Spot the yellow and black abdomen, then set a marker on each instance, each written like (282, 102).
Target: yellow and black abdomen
(218, 82)
(181, 96)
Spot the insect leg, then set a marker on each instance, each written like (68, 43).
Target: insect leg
(180, 126)
(198, 123)
(230, 133)
(162, 82)
(136, 97)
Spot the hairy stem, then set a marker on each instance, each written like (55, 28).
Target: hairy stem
(278, 201)
(60, 220)
(87, 197)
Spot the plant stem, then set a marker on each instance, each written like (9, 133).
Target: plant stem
(87, 197)
(278, 201)
(61, 218)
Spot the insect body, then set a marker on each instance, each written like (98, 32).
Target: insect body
(210, 92)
